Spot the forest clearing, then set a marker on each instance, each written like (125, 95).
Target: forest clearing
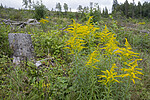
(90, 54)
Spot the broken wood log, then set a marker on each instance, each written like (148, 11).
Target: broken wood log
(21, 24)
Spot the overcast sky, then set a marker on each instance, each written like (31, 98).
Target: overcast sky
(73, 4)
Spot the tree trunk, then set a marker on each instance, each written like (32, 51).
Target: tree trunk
(22, 47)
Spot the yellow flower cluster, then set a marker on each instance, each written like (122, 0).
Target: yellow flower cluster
(92, 59)
(109, 76)
(141, 23)
(105, 35)
(126, 52)
(83, 31)
(43, 21)
(80, 33)
(45, 85)
(132, 71)
(127, 45)
(75, 44)
(111, 45)
(111, 48)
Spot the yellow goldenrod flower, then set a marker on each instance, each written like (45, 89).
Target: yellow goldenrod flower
(83, 31)
(105, 35)
(109, 76)
(92, 59)
(125, 53)
(75, 45)
(43, 21)
(132, 71)
(45, 85)
(128, 46)
(89, 21)
(80, 35)
(111, 45)
(141, 23)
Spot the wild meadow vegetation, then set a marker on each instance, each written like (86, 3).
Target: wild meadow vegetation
(94, 56)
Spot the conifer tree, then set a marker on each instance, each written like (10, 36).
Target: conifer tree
(114, 6)
(126, 8)
(139, 9)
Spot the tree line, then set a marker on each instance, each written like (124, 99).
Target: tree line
(131, 9)
(124, 9)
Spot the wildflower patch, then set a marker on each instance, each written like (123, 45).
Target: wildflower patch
(83, 39)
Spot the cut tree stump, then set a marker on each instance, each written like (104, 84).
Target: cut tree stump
(22, 47)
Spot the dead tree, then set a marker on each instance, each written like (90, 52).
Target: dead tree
(22, 47)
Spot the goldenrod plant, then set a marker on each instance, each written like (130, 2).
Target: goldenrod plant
(109, 79)
(132, 71)
(44, 23)
(108, 44)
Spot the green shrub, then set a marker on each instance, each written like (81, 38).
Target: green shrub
(40, 11)
(48, 42)
(4, 44)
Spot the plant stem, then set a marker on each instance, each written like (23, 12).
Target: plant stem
(127, 90)
(108, 91)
